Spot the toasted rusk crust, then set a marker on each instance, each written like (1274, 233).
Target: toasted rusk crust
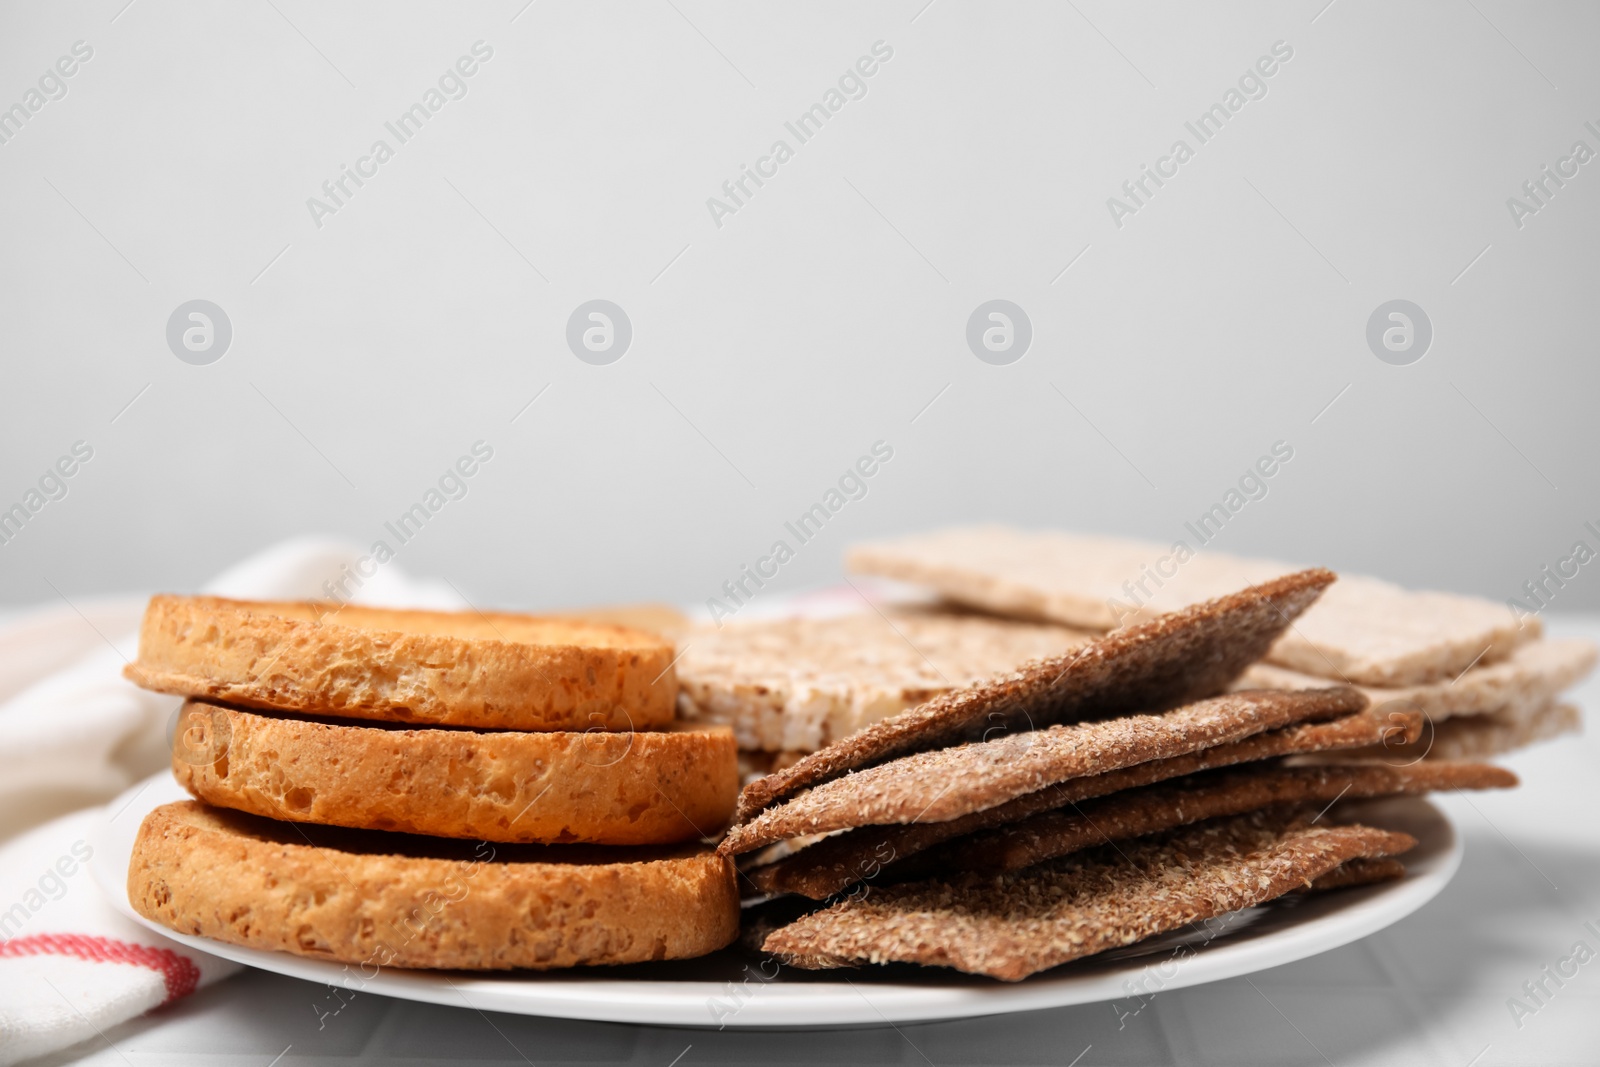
(385, 900)
(491, 671)
(1009, 926)
(645, 787)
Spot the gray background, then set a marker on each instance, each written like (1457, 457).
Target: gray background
(769, 353)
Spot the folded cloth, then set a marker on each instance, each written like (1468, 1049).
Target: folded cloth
(73, 732)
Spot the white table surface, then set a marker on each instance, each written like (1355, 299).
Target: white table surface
(1432, 989)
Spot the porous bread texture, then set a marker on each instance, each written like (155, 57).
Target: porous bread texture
(386, 900)
(1008, 926)
(1363, 631)
(795, 685)
(475, 669)
(948, 783)
(826, 866)
(1522, 683)
(1185, 656)
(636, 788)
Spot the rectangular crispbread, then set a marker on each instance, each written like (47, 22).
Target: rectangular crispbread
(1363, 631)
(1009, 926)
(1527, 680)
(1188, 655)
(795, 685)
(1137, 812)
(834, 863)
(948, 783)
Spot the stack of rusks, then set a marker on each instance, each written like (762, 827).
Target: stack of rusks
(428, 789)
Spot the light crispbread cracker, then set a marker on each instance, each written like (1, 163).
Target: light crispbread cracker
(834, 863)
(1185, 656)
(1525, 681)
(799, 684)
(1137, 812)
(1480, 736)
(948, 783)
(393, 900)
(1363, 631)
(474, 669)
(646, 787)
(1009, 926)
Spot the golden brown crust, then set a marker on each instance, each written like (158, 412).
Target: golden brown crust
(948, 783)
(353, 897)
(638, 788)
(1177, 658)
(1009, 926)
(483, 670)
(835, 863)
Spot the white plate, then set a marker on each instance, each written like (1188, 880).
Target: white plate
(727, 988)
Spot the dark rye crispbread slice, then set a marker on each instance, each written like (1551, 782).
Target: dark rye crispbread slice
(1008, 926)
(1352, 873)
(837, 862)
(1138, 812)
(948, 783)
(1172, 660)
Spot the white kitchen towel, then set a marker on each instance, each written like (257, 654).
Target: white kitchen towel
(73, 732)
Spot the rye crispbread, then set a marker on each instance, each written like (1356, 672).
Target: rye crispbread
(1138, 812)
(1009, 926)
(639, 788)
(1523, 682)
(1363, 631)
(1185, 656)
(834, 863)
(948, 783)
(473, 669)
(795, 685)
(1353, 873)
(393, 900)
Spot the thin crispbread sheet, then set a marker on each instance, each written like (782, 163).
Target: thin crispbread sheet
(1352, 873)
(835, 863)
(1480, 736)
(795, 685)
(1524, 682)
(1011, 925)
(1364, 631)
(1178, 658)
(948, 783)
(1138, 812)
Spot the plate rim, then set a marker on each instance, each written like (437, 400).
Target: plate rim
(810, 1005)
